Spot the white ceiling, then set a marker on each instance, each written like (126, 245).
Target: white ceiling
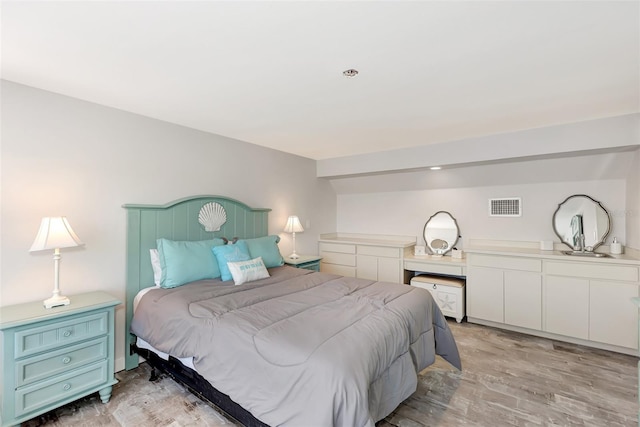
(270, 73)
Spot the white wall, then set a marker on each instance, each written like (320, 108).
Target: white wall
(406, 212)
(63, 156)
(632, 211)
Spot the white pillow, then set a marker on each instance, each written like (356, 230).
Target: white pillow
(247, 271)
(155, 264)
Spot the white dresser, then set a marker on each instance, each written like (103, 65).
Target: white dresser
(374, 257)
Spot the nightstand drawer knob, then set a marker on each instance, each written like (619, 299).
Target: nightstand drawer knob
(66, 360)
(66, 333)
(66, 386)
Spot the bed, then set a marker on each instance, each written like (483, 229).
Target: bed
(284, 347)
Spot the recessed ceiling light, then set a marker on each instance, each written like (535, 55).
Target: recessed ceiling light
(435, 168)
(350, 72)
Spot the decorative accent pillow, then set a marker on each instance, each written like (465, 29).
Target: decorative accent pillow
(247, 271)
(187, 261)
(266, 248)
(230, 253)
(156, 266)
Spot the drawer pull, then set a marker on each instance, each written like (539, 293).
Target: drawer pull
(66, 333)
(66, 386)
(435, 286)
(66, 360)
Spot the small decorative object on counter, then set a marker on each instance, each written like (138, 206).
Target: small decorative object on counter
(616, 247)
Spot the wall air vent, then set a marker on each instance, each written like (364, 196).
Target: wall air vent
(505, 207)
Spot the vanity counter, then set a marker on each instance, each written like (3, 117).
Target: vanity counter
(522, 250)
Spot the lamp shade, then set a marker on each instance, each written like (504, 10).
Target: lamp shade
(293, 225)
(55, 233)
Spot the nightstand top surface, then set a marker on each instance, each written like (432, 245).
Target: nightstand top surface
(16, 315)
(302, 260)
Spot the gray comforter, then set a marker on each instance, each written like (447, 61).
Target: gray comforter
(301, 348)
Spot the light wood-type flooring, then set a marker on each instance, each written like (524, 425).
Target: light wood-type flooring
(508, 379)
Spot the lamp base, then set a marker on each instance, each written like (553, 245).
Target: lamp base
(294, 256)
(56, 301)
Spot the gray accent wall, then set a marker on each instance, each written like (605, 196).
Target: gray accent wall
(66, 157)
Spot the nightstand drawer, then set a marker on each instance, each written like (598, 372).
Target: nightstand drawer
(57, 362)
(61, 387)
(58, 333)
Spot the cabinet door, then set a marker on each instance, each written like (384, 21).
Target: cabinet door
(389, 270)
(367, 267)
(566, 301)
(613, 318)
(523, 299)
(485, 297)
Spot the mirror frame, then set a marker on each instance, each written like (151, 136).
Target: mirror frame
(437, 251)
(598, 204)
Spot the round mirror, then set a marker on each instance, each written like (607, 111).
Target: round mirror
(581, 222)
(441, 233)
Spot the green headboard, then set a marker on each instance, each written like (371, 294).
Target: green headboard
(177, 220)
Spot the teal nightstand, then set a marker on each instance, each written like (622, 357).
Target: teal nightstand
(308, 262)
(51, 357)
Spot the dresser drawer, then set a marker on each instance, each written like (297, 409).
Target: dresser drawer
(57, 389)
(380, 251)
(337, 247)
(506, 263)
(592, 271)
(53, 363)
(32, 340)
(338, 269)
(338, 258)
(452, 270)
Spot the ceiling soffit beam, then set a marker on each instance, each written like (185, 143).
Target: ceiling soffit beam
(600, 135)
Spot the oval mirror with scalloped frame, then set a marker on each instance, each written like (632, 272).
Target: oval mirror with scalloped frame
(581, 223)
(441, 233)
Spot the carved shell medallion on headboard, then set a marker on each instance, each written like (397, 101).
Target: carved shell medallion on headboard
(212, 216)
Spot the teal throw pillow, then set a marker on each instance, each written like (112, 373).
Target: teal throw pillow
(187, 261)
(232, 252)
(266, 248)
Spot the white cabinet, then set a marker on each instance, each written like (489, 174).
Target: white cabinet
(372, 258)
(566, 302)
(505, 290)
(485, 294)
(383, 264)
(591, 301)
(612, 319)
(578, 300)
(523, 299)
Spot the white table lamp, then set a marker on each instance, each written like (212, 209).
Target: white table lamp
(293, 226)
(55, 233)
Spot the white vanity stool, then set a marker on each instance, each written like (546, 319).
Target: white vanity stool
(448, 292)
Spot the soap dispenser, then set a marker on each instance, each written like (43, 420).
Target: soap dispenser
(616, 247)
